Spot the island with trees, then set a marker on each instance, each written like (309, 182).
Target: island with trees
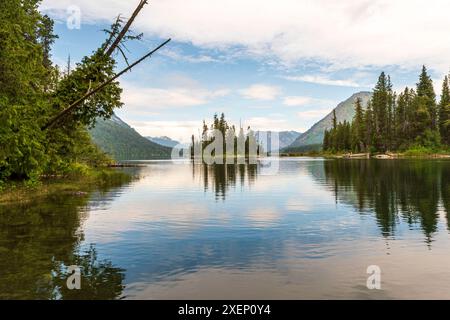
(222, 141)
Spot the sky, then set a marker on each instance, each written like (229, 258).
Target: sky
(272, 65)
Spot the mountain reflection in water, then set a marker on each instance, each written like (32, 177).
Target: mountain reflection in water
(191, 231)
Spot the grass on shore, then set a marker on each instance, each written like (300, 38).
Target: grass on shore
(77, 183)
(414, 152)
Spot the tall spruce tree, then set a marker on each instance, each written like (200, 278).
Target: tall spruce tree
(381, 101)
(22, 101)
(444, 112)
(358, 129)
(369, 127)
(393, 122)
(326, 141)
(401, 118)
(32, 91)
(425, 91)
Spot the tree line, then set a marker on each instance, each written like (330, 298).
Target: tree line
(223, 137)
(34, 93)
(391, 122)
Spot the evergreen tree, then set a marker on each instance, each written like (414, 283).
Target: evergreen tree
(358, 128)
(335, 122)
(381, 103)
(427, 97)
(401, 128)
(347, 135)
(391, 119)
(22, 101)
(444, 112)
(394, 123)
(33, 91)
(368, 127)
(334, 143)
(326, 141)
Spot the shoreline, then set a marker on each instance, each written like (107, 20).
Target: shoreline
(76, 186)
(368, 156)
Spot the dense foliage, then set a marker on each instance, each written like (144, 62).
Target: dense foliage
(122, 142)
(242, 144)
(33, 91)
(411, 120)
(345, 111)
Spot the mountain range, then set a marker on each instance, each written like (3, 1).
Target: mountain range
(122, 142)
(164, 141)
(286, 138)
(313, 138)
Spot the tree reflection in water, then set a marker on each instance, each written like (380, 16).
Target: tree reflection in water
(221, 177)
(39, 239)
(404, 189)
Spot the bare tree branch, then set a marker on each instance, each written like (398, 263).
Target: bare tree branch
(77, 103)
(112, 34)
(123, 55)
(126, 28)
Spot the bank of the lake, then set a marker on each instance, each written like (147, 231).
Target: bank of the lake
(181, 229)
(409, 154)
(77, 185)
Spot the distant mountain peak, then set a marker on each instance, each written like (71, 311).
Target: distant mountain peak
(164, 141)
(122, 142)
(345, 111)
(286, 137)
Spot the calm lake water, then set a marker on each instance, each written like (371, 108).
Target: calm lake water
(185, 231)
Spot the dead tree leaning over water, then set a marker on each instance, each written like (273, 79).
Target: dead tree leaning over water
(116, 38)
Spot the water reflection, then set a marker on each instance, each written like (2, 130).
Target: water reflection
(220, 178)
(392, 190)
(445, 191)
(39, 239)
(197, 231)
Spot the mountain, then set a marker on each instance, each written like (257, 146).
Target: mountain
(122, 142)
(164, 141)
(286, 137)
(314, 136)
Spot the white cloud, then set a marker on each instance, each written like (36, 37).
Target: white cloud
(274, 123)
(323, 80)
(147, 100)
(296, 101)
(300, 101)
(178, 130)
(313, 114)
(261, 92)
(175, 55)
(350, 33)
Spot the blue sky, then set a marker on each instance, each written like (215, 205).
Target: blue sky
(273, 66)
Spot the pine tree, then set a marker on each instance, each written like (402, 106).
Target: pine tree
(22, 102)
(369, 127)
(391, 106)
(444, 112)
(347, 136)
(381, 103)
(425, 91)
(401, 118)
(394, 122)
(358, 129)
(326, 141)
(335, 122)
(334, 143)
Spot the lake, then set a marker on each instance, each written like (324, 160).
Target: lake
(187, 231)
